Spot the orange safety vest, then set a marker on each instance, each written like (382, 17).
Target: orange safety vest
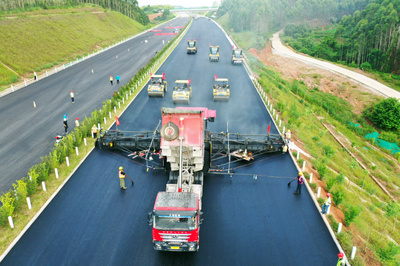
(120, 174)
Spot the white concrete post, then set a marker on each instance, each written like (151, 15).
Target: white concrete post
(353, 252)
(329, 208)
(10, 221)
(67, 159)
(339, 228)
(273, 112)
(276, 116)
(318, 192)
(76, 150)
(25, 82)
(30, 178)
(119, 104)
(84, 140)
(123, 100)
(311, 177)
(12, 88)
(105, 120)
(130, 93)
(298, 154)
(28, 200)
(283, 130)
(44, 186)
(304, 166)
(109, 114)
(55, 70)
(56, 172)
(92, 135)
(115, 109)
(280, 122)
(47, 74)
(34, 104)
(127, 96)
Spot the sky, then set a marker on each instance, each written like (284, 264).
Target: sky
(184, 3)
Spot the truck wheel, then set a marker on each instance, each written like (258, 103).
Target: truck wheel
(169, 131)
(167, 165)
(207, 161)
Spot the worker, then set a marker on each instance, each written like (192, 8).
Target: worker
(118, 78)
(300, 181)
(111, 79)
(288, 136)
(77, 122)
(72, 96)
(35, 75)
(341, 261)
(94, 131)
(327, 203)
(121, 175)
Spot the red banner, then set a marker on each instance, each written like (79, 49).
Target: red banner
(117, 121)
(166, 33)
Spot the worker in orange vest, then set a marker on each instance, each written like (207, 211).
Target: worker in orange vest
(121, 175)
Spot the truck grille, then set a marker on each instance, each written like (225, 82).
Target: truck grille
(167, 237)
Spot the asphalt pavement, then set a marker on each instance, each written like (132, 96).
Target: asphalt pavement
(247, 221)
(28, 133)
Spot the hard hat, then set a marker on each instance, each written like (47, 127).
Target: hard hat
(65, 113)
(340, 255)
(77, 118)
(300, 173)
(288, 130)
(328, 194)
(120, 168)
(72, 91)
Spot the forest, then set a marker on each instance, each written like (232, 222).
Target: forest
(364, 33)
(129, 8)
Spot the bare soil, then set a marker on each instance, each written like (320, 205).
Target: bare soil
(358, 96)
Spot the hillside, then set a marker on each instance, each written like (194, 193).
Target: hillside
(40, 39)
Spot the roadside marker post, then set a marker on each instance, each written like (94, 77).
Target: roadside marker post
(28, 200)
(10, 221)
(56, 172)
(77, 151)
(67, 159)
(44, 186)
(318, 192)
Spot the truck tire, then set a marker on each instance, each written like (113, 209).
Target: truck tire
(169, 131)
(207, 161)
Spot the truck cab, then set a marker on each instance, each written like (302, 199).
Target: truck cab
(176, 220)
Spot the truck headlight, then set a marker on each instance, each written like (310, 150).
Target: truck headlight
(192, 246)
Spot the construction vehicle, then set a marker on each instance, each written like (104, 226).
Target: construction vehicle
(182, 92)
(237, 56)
(157, 86)
(214, 54)
(221, 91)
(185, 149)
(191, 46)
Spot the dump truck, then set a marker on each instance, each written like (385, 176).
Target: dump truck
(182, 92)
(182, 145)
(221, 91)
(157, 86)
(214, 54)
(191, 46)
(176, 216)
(237, 56)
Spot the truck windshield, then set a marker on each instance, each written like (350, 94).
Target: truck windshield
(238, 53)
(191, 44)
(214, 50)
(164, 222)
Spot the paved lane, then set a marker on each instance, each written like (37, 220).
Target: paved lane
(28, 133)
(246, 221)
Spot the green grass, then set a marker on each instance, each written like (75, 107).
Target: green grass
(35, 40)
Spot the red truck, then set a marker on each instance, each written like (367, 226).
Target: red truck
(176, 216)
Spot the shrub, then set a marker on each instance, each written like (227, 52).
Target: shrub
(340, 179)
(313, 186)
(320, 200)
(330, 182)
(321, 169)
(328, 151)
(386, 114)
(351, 213)
(338, 195)
(8, 199)
(21, 192)
(388, 253)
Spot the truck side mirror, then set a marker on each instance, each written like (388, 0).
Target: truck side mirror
(201, 218)
(150, 218)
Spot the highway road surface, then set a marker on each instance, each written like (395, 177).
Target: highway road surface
(246, 221)
(28, 133)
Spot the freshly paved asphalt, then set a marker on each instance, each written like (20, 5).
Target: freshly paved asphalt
(28, 133)
(246, 221)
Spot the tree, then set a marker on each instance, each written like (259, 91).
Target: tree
(386, 114)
